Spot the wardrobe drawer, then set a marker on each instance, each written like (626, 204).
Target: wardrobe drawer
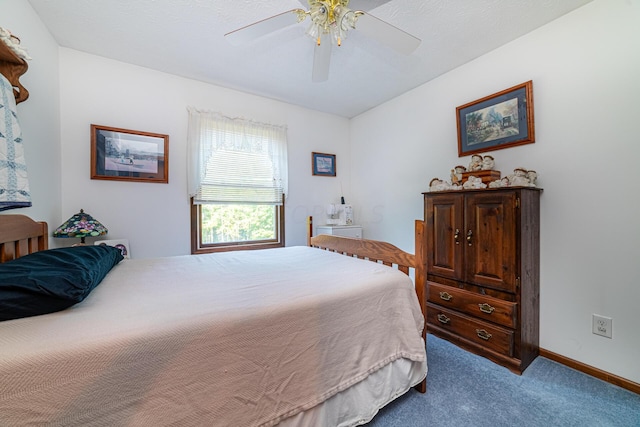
(477, 305)
(482, 333)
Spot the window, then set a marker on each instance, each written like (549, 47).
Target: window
(237, 183)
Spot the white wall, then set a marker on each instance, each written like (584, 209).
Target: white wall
(585, 68)
(155, 217)
(39, 114)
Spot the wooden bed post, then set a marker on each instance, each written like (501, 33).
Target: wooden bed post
(420, 283)
(420, 269)
(309, 230)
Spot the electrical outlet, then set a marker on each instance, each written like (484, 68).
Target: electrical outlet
(602, 325)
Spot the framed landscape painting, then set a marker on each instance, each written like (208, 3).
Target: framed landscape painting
(501, 120)
(323, 164)
(129, 155)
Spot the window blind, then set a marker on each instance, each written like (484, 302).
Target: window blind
(236, 160)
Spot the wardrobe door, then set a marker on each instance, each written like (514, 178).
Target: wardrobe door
(445, 235)
(491, 247)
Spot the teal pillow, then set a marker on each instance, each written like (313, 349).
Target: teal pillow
(52, 280)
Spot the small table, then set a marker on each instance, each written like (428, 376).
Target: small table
(340, 230)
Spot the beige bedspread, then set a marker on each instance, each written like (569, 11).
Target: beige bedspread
(231, 339)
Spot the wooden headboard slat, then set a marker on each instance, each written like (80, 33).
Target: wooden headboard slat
(20, 236)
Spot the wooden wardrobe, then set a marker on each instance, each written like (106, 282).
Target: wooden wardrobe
(482, 250)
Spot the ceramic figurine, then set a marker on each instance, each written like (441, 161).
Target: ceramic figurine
(476, 163)
(437, 184)
(474, 182)
(456, 174)
(488, 163)
(499, 183)
(519, 178)
(533, 176)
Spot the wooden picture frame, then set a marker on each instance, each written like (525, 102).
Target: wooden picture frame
(501, 120)
(129, 155)
(323, 164)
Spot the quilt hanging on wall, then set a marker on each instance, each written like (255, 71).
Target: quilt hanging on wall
(14, 183)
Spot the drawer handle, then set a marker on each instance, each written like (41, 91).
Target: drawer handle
(486, 308)
(483, 334)
(456, 236)
(446, 296)
(443, 319)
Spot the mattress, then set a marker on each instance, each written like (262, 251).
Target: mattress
(249, 338)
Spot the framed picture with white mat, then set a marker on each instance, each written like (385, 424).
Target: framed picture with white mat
(122, 244)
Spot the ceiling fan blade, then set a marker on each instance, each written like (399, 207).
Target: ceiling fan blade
(321, 60)
(264, 27)
(387, 34)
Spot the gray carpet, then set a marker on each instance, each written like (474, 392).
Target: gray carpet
(466, 390)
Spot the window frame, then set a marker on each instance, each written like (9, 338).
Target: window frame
(197, 247)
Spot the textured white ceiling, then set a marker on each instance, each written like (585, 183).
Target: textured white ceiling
(185, 37)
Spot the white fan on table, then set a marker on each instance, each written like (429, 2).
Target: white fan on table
(330, 22)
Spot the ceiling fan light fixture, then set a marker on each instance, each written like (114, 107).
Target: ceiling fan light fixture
(349, 19)
(331, 17)
(336, 36)
(337, 29)
(314, 32)
(319, 13)
(345, 20)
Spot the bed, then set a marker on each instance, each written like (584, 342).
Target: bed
(295, 336)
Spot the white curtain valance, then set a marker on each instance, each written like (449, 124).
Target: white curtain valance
(234, 160)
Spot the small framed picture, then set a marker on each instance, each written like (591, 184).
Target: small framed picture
(323, 164)
(129, 155)
(501, 120)
(122, 244)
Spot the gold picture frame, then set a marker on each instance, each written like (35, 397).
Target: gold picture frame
(501, 120)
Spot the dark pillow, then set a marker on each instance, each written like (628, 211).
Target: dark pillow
(52, 280)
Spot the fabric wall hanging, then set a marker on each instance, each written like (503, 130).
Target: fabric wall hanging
(14, 183)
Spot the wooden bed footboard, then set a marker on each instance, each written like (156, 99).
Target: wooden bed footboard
(384, 253)
(20, 235)
(373, 250)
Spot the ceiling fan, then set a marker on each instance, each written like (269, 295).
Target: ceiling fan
(330, 22)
